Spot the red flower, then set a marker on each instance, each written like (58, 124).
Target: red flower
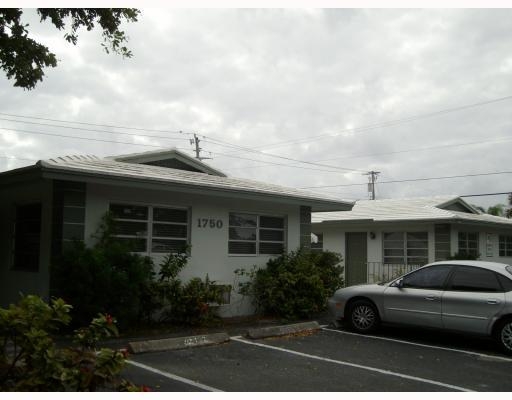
(145, 388)
(125, 353)
(109, 319)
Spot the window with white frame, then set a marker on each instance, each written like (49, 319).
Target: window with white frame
(408, 248)
(252, 234)
(151, 229)
(505, 246)
(468, 243)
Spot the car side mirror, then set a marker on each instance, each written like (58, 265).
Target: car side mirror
(399, 283)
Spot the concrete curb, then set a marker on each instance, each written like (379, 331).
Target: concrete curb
(147, 346)
(261, 333)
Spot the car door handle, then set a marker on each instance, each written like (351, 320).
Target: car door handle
(493, 301)
(431, 298)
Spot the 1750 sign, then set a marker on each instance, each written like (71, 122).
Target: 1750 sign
(209, 223)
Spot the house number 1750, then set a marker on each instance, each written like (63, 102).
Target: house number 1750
(209, 223)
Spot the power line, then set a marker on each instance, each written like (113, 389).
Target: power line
(486, 194)
(289, 158)
(413, 180)
(82, 138)
(496, 140)
(274, 164)
(17, 158)
(94, 130)
(387, 123)
(90, 124)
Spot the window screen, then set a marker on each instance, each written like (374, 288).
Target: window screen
(169, 232)
(505, 246)
(406, 248)
(468, 243)
(149, 229)
(253, 234)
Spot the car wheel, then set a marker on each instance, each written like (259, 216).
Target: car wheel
(363, 317)
(503, 335)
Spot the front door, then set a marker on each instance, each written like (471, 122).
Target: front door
(356, 258)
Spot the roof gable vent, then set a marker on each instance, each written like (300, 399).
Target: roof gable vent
(172, 158)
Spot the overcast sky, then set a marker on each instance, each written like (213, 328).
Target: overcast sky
(257, 78)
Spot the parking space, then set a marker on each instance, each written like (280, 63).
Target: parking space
(329, 360)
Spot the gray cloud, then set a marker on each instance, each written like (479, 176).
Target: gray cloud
(257, 77)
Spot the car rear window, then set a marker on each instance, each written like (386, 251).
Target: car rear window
(505, 282)
(472, 279)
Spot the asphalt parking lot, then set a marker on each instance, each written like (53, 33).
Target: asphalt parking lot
(330, 360)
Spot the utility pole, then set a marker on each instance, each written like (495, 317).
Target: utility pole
(198, 149)
(372, 178)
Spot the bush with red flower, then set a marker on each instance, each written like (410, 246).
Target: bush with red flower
(31, 361)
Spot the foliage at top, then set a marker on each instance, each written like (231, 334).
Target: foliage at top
(24, 59)
(293, 285)
(30, 360)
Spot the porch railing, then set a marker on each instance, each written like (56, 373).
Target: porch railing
(380, 272)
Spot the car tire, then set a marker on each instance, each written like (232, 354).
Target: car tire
(503, 335)
(363, 317)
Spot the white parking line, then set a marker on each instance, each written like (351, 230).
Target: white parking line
(420, 345)
(172, 376)
(348, 364)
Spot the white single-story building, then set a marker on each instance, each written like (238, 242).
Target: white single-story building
(162, 200)
(382, 238)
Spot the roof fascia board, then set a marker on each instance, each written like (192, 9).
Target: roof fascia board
(450, 220)
(485, 223)
(316, 205)
(20, 175)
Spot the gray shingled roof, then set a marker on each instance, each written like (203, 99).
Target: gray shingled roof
(413, 209)
(93, 166)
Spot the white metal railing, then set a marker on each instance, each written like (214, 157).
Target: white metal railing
(380, 272)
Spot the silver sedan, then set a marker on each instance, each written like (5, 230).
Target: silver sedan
(465, 296)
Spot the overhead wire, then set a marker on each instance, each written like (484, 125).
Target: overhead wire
(496, 140)
(387, 123)
(99, 125)
(412, 180)
(84, 138)
(293, 159)
(94, 130)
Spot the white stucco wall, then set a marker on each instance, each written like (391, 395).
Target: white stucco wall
(209, 254)
(334, 238)
(13, 282)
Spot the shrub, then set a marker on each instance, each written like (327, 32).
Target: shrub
(293, 285)
(105, 278)
(108, 278)
(189, 303)
(30, 360)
